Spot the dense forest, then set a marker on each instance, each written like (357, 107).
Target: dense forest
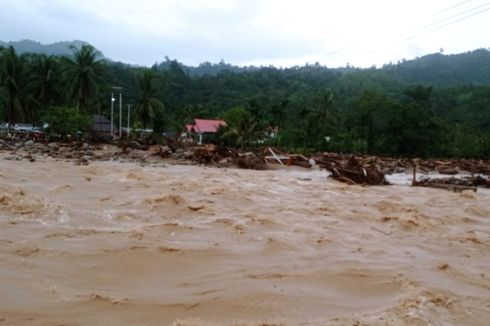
(437, 105)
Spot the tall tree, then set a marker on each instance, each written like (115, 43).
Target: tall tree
(43, 82)
(148, 107)
(318, 122)
(83, 76)
(278, 113)
(324, 108)
(241, 130)
(12, 80)
(367, 117)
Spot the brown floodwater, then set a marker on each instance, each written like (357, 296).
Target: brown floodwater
(120, 244)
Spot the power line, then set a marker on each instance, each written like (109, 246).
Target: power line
(452, 7)
(454, 16)
(334, 53)
(450, 21)
(445, 25)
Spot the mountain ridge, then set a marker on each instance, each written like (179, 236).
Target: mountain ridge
(471, 67)
(62, 48)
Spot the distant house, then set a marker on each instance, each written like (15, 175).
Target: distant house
(101, 127)
(202, 128)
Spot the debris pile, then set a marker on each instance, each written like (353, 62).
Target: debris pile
(4, 146)
(453, 184)
(277, 156)
(210, 154)
(250, 160)
(223, 157)
(353, 169)
(456, 184)
(82, 153)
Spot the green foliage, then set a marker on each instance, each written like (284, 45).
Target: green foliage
(160, 124)
(397, 127)
(66, 121)
(241, 130)
(3, 105)
(291, 138)
(83, 76)
(444, 70)
(12, 78)
(149, 108)
(43, 84)
(44, 77)
(436, 105)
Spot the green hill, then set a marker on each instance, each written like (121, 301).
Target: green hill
(445, 70)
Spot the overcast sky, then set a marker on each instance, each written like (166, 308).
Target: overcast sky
(263, 32)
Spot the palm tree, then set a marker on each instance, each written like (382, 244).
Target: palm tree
(278, 112)
(43, 82)
(245, 132)
(148, 107)
(43, 79)
(12, 80)
(319, 121)
(82, 75)
(242, 128)
(322, 113)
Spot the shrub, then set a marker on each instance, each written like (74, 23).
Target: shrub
(66, 121)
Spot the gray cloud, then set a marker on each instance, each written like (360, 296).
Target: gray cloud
(239, 31)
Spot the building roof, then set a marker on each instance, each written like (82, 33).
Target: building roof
(203, 125)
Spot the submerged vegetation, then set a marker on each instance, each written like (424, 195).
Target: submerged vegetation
(433, 106)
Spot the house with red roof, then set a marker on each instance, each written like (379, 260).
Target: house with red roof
(202, 127)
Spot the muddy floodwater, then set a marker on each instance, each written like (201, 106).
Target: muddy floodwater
(120, 244)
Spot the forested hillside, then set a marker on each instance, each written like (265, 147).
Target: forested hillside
(445, 70)
(436, 105)
(433, 69)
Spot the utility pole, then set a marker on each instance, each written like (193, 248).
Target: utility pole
(112, 114)
(120, 115)
(116, 89)
(129, 118)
